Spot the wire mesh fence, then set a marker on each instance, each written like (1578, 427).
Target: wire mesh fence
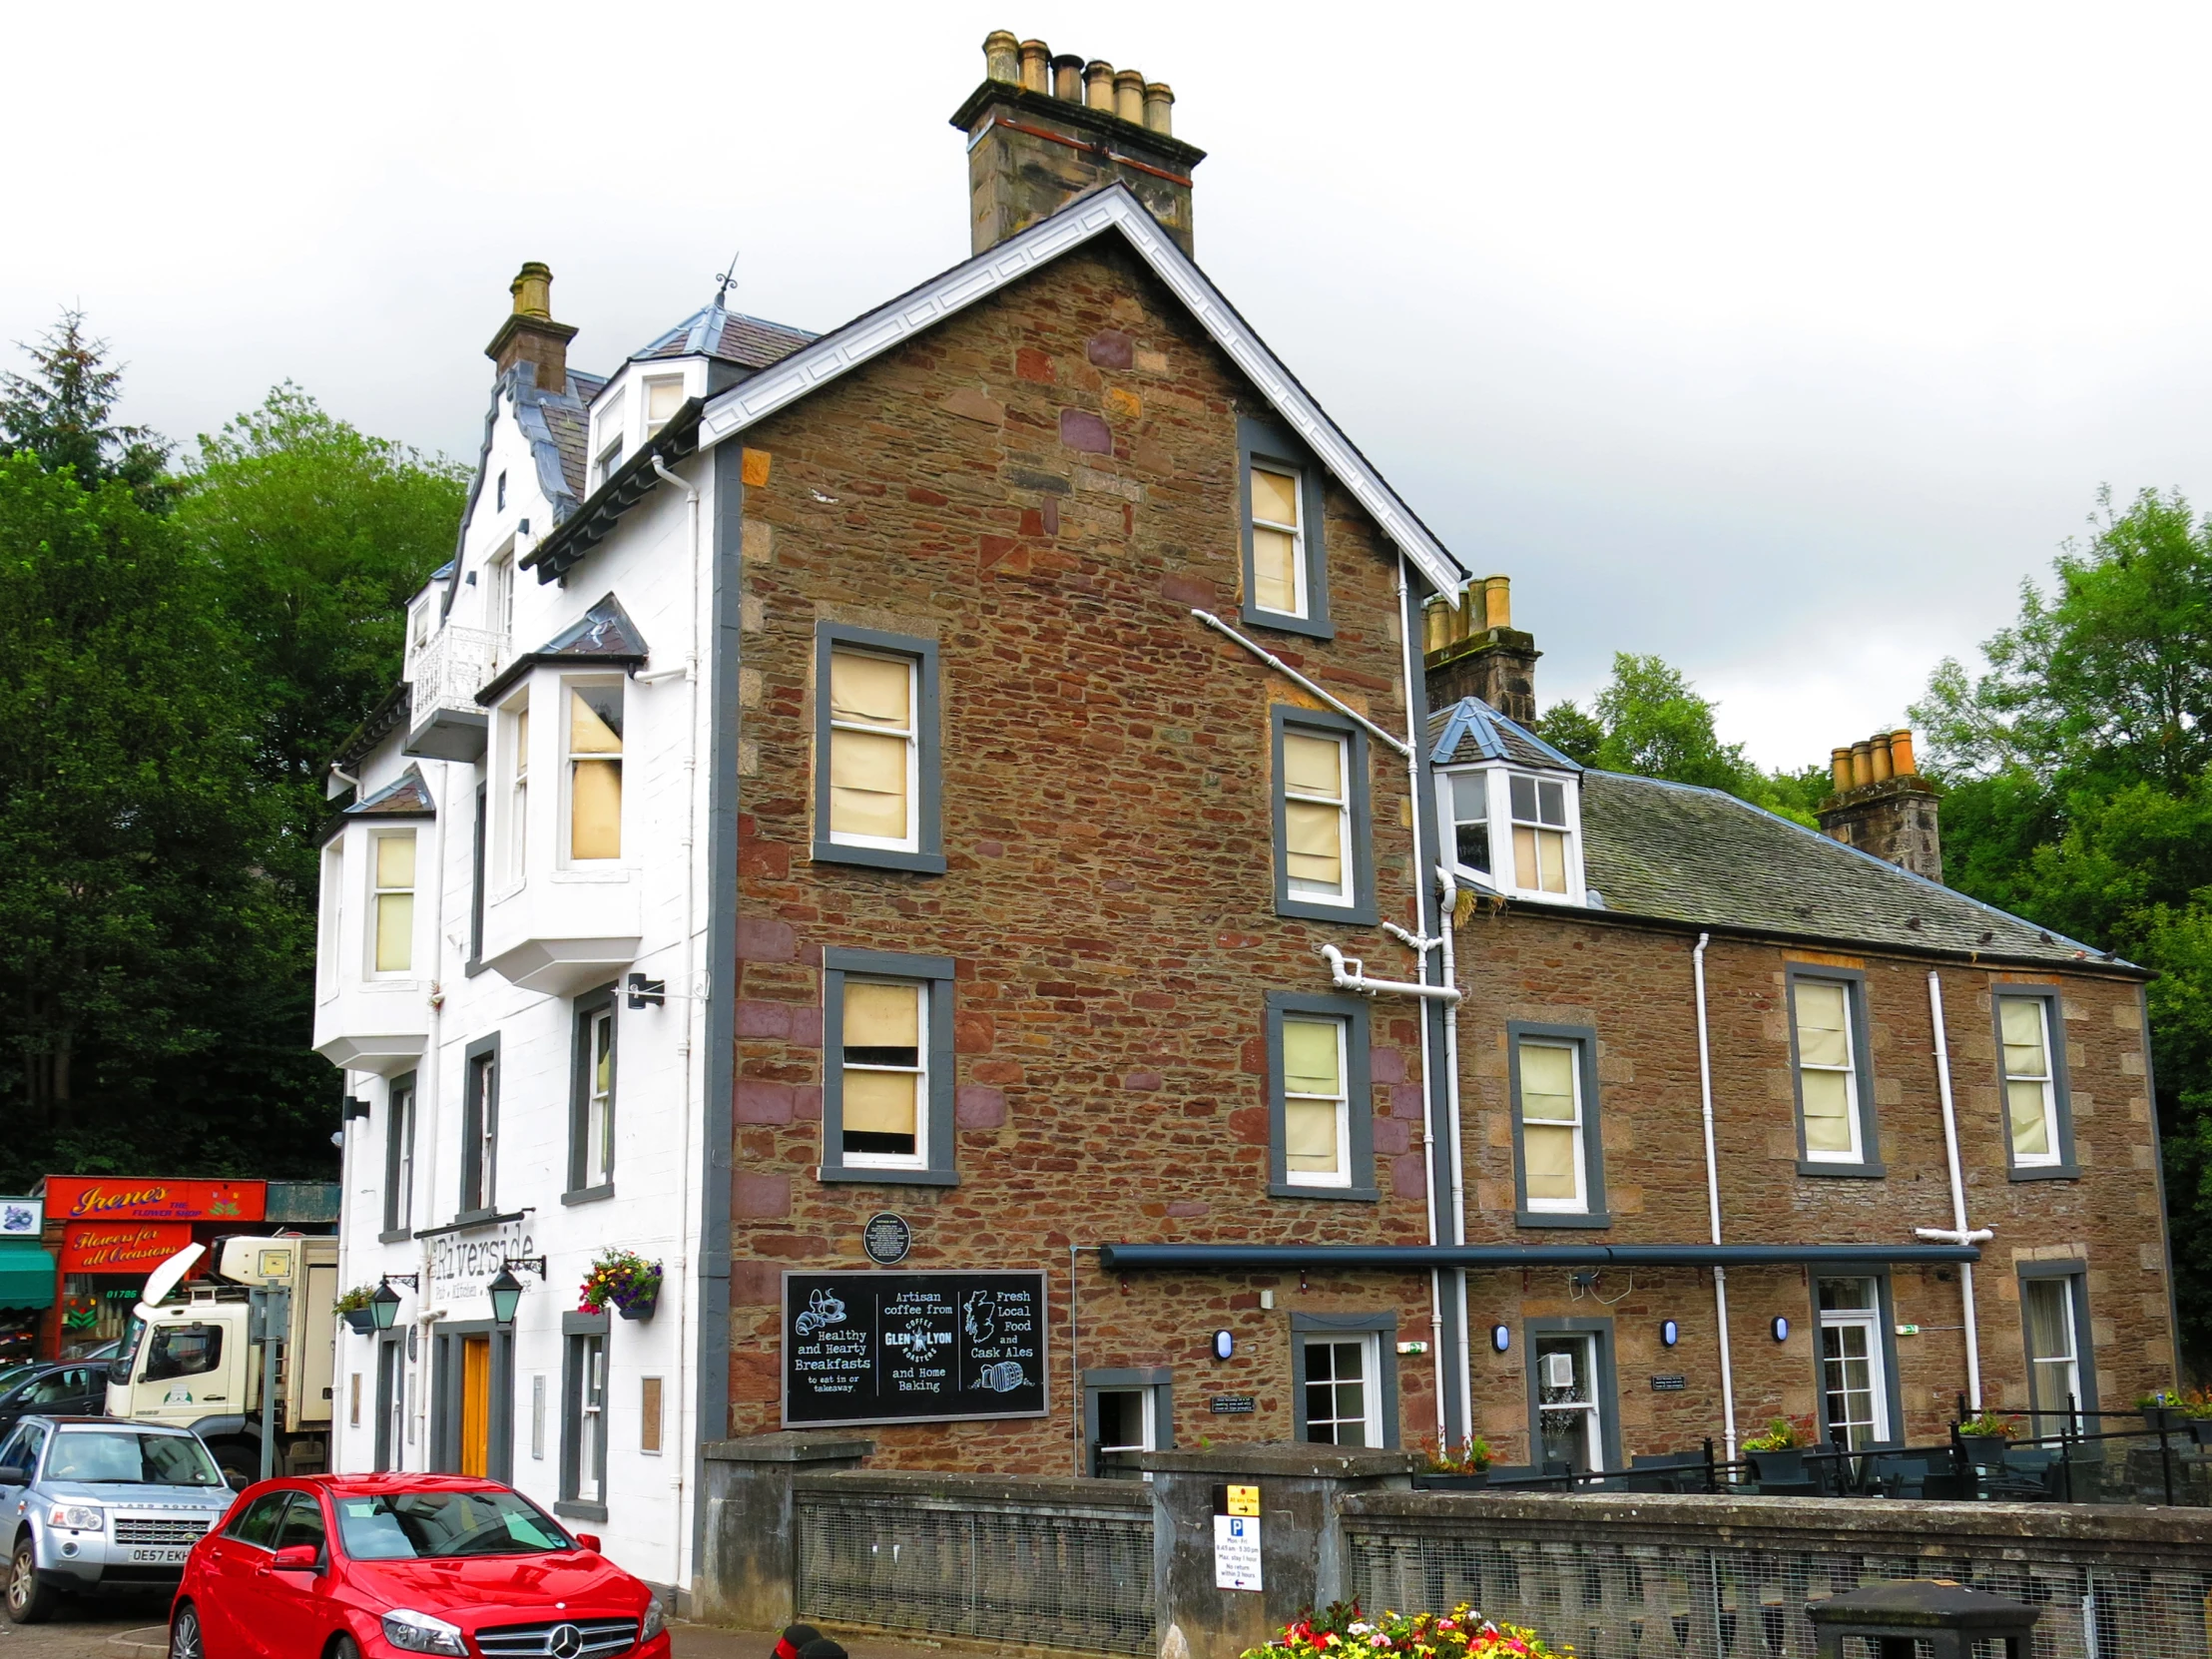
(1667, 1601)
(1034, 1576)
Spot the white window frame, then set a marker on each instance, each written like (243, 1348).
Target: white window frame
(591, 1419)
(919, 1071)
(1580, 1205)
(372, 911)
(513, 817)
(569, 760)
(1370, 1347)
(2062, 1287)
(610, 438)
(1148, 1405)
(499, 599)
(912, 841)
(599, 1150)
(1347, 891)
(652, 383)
(1342, 1100)
(403, 1105)
(1565, 830)
(2054, 1152)
(1854, 1112)
(1867, 1320)
(331, 943)
(1498, 791)
(1302, 576)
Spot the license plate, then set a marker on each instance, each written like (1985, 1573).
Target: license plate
(161, 1557)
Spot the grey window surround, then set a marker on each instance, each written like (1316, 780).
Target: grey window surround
(1583, 1038)
(478, 850)
(939, 1168)
(928, 856)
(2075, 1270)
(2054, 1020)
(1607, 1383)
(445, 1416)
(1158, 1381)
(390, 1371)
(1358, 1094)
(579, 1103)
(397, 1131)
(1325, 1326)
(1259, 441)
(1361, 912)
(1869, 1166)
(474, 1105)
(1886, 1313)
(574, 1380)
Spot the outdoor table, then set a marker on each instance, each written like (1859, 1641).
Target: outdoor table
(1945, 1615)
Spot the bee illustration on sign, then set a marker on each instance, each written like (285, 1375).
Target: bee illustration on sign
(822, 1310)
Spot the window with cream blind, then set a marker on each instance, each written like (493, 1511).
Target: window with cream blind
(1317, 817)
(1828, 1039)
(594, 736)
(1551, 1126)
(877, 773)
(1539, 806)
(393, 867)
(1279, 581)
(662, 397)
(872, 750)
(885, 1073)
(2031, 1080)
(1317, 1140)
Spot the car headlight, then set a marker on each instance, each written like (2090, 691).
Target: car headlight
(76, 1518)
(656, 1620)
(420, 1633)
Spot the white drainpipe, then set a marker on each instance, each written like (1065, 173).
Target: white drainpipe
(1713, 1194)
(1351, 973)
(1420, 945)
(1958, 1232)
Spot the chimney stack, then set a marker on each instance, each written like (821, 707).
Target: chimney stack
(1882, 803)
(1045, 129)
(1472, 649)
(530, 335)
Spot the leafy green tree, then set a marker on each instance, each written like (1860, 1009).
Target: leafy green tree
(139, 939)
(317, 535)
(2077, 793)
(62, 413)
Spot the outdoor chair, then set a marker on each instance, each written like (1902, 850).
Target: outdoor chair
(1895, 1476)
(1666, 1472)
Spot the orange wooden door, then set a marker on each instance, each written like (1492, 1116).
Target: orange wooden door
(476, 1405)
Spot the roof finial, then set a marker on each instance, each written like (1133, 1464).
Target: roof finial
(726, 280)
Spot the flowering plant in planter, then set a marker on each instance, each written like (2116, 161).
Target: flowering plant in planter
(1343, 1632)
(622, 1279)
(1989, 1426)
(354, 1301)
(1468, 1458)
(1783, 1434)
(2190, 1402)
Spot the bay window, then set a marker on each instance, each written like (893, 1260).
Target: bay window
(392, 921)
(594, 737)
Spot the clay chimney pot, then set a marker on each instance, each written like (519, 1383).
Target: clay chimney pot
(1901, 753)
(1159, 107)
(1129, 96)
(1862, 763)
(1498, 602)
(1879, 752)
(1098, 83)
(1036, 66)
(1067, 77)
(1001, 56)
(1838, 768)
(533, 290)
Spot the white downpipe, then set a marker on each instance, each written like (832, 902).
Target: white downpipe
(1447, 895)
(1713, 1194)
(1420, 945)
(1408, 749)
(694, 992)
(1350, 973)
(1959, 1231)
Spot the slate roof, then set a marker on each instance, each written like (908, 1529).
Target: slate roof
(748, 341)
(1698, 856)
(603, 636)
(405, 797)
(1470, 730)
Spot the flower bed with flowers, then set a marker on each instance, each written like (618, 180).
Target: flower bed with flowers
(1344, 1632)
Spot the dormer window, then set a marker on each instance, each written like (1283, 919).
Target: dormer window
(664, 395)
(1539, 834)
(608, 455)
(1517, 833)
(1470, 819)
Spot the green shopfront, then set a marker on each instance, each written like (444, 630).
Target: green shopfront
(26, 1278)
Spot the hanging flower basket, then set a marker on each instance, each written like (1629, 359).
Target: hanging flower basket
(353, 1308)
(361, 1320)
(623, 1281)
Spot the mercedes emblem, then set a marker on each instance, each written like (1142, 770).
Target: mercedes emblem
(564, 1641)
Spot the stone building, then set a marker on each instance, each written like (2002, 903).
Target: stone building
(942, 837)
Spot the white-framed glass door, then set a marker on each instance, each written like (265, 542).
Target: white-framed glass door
(1342, 1397)
(1570, 1425)
(1854, 1385)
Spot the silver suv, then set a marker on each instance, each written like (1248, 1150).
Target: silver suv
(89, 1504)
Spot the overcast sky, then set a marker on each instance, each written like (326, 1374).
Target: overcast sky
(1783, 341)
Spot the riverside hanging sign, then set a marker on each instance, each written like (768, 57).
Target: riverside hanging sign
(865, 1348)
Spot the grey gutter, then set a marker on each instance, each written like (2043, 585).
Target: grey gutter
(1126, 1258)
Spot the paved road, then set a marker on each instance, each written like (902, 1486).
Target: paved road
(133, 1630)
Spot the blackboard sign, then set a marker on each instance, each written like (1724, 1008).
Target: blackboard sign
(912, 1346)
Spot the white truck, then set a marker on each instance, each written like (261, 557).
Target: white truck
(197, 1359)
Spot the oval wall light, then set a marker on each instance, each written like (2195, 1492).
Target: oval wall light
(1780, 1328)
(1501, 1337)
(1670, 1333)
(1225, 1345)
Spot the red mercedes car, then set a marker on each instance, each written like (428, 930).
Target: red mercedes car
(365, 1566)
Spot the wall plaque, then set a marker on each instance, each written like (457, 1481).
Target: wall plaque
(886, 1239)
(1669, 1382)
(912, 1346)
(1231, 1405)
